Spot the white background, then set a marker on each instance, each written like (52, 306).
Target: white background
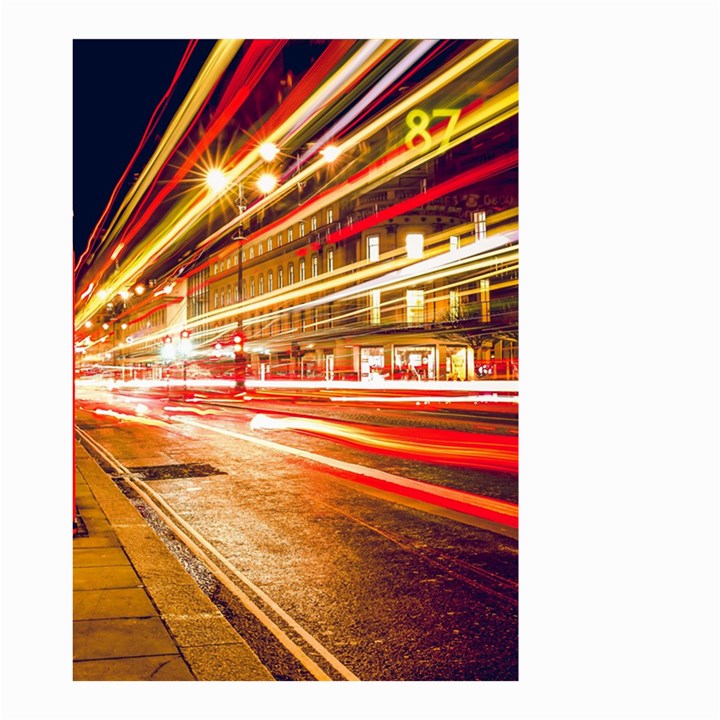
(619, 388)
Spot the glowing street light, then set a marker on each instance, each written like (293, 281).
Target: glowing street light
(139, 289)
(330, 153)
(216, 180)
(268, 151)
(266, 183)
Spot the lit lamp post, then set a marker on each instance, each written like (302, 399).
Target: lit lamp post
(168, 353)
(240, 363)
(185, 352)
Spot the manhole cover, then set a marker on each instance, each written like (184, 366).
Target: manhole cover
(168, 472)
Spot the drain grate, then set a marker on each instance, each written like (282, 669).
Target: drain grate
(169, 472)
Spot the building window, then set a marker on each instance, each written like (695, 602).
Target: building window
(260, 248)
(484, 300)
(243, 255)
(222, 266)
(302, 270)
(252, 253)
(480, 225)
(215, 269)
(261, 285)
(236, 292)
(290, 235)
(373, 248)
(280, 277)
(454, 304)
(252, 287)
(375, 307)
(301, 232)
(279, 239)
(314, 266)
(244, 289)
(414, 245)
(454, 243)
(330, 260)
(415, 306)
(222, 298)
(270, 281)
(313, 222)
(291, 273)
(235, 259)
(217, 299)
(329, 216)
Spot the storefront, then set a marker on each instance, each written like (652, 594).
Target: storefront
(456, 364)
(372, 363)
(414, 362)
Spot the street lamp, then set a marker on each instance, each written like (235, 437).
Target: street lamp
(185, 351)
(168, 353)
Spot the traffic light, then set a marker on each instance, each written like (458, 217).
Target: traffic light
(185, 334)
(167, 340)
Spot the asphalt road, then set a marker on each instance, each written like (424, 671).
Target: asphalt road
(390, 591)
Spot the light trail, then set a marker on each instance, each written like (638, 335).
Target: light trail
(182, 220)
(477, 450)
(497, 511)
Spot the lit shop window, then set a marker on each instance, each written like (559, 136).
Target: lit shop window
(314, 266)
(414, 245)
(375, 307)
(415, 307)
(373, 248)
(454, 243)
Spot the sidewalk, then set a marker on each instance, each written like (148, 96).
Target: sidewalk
(137, 614)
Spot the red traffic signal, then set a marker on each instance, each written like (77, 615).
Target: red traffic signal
(185, 334)
(167, 339)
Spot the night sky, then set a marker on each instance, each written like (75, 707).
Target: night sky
(117, 84)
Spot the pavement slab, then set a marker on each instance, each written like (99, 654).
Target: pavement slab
(121, 638)
(105, 604)
(161, 667)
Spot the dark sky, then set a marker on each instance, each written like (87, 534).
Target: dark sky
(117, 85)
